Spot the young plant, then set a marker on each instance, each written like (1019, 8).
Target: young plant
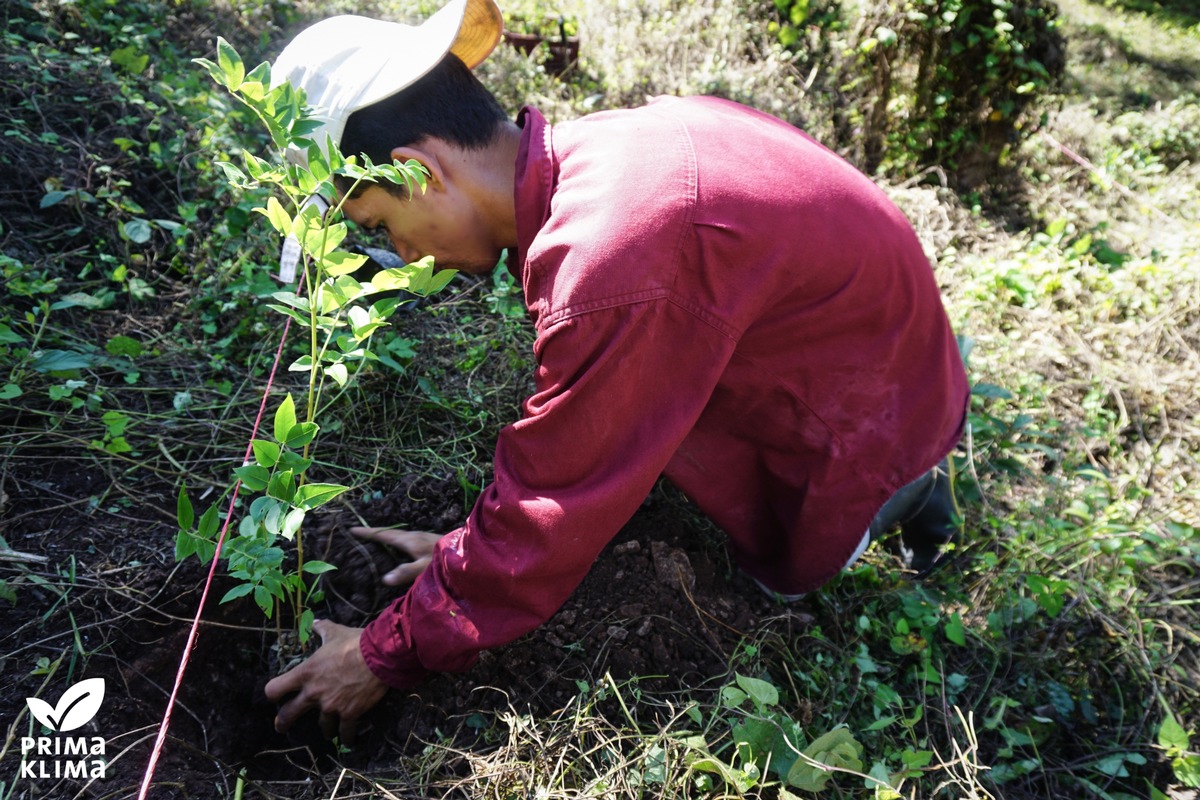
(335, 309)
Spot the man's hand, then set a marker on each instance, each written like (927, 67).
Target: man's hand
(417, 544)
(335, 680)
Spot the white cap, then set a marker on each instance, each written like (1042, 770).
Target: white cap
(346, 63)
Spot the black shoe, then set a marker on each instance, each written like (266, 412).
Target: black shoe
(928, 518)
(933, 526)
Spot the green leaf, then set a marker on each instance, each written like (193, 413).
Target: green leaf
(262, 596)
(837, 749)
(955, 631)
(281, 487)
(124, 346)
(317, 567)
(210, 520)
(253, 477)
(9, 391)
(118, 445)
(137, 231)
(1172, 736)
(279, 218)
(295, 462)
(301, 434)
(342, 263)
(232, 68)
(240, 590)
(338, 373)
(9, 336)
(285, 418)
(265, 453)
(291, 523)
(304, 630)
(184, 512)
(302, 364)
(185, 545)
(761, 692)
(62, 361)
(1187, 770)
(312, 495)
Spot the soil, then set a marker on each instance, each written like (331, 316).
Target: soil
(659, 605)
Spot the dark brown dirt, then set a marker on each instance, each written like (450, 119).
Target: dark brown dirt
(659, 606)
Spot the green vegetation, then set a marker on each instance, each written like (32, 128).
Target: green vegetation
(1057, 656)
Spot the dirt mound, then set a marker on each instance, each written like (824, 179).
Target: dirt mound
(659, 606)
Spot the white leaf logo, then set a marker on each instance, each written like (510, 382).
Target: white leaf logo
(75, 708)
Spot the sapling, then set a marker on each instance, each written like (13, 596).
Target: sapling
(329, 303)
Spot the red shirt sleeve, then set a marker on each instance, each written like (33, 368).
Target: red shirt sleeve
(606, 417)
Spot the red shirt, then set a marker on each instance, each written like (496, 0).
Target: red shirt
(719, 299)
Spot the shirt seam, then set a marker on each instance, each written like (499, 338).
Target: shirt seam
(634, 298)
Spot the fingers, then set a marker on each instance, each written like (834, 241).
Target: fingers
(282, 685)
(417, 544)
(291, 711)
(407, 573)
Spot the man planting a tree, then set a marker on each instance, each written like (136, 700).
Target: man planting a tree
(717, 299)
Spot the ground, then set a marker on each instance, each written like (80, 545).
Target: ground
(660, 605)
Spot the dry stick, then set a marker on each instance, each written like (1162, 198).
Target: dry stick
(1088, 165)
(192, 632)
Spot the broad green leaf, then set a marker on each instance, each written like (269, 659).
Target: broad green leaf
(240, 590)
(209, 522)
(273, 521)
(291, 299)
(761, 692)
(9, 336)
(732, 697)
(291, 523)
(281, 487)
(954, 629)
(253, 477)
(232, 68)
(137, 231)
(285, 418)
(301, 434)
(338, 373)
(10, 390)
(184, 513)
(317, 567)
(277, 215)
(291, 312)
(301, 364)
(439, 280)
(1171, 735)
(1187, 770)
(304, 630)
(124, 346)
(262, 596)
(342, 263)
(62, 361)
(265, 453)
(295, 462)
(233, 174)
(312, 495)
(214, 71)
(836, 749)
(185, 545)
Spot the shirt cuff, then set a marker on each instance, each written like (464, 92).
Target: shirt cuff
(389, 652)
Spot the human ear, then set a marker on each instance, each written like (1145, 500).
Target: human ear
(436, 177)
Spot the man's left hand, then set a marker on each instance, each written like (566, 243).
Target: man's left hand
(335, 680)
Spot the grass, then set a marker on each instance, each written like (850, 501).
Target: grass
(1048, 661)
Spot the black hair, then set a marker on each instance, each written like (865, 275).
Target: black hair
(448, 103)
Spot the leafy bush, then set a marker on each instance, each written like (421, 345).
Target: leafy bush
(929, 83)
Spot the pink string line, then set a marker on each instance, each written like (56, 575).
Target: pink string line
(191, 640)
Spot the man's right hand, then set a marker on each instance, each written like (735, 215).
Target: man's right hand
(418, 545)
